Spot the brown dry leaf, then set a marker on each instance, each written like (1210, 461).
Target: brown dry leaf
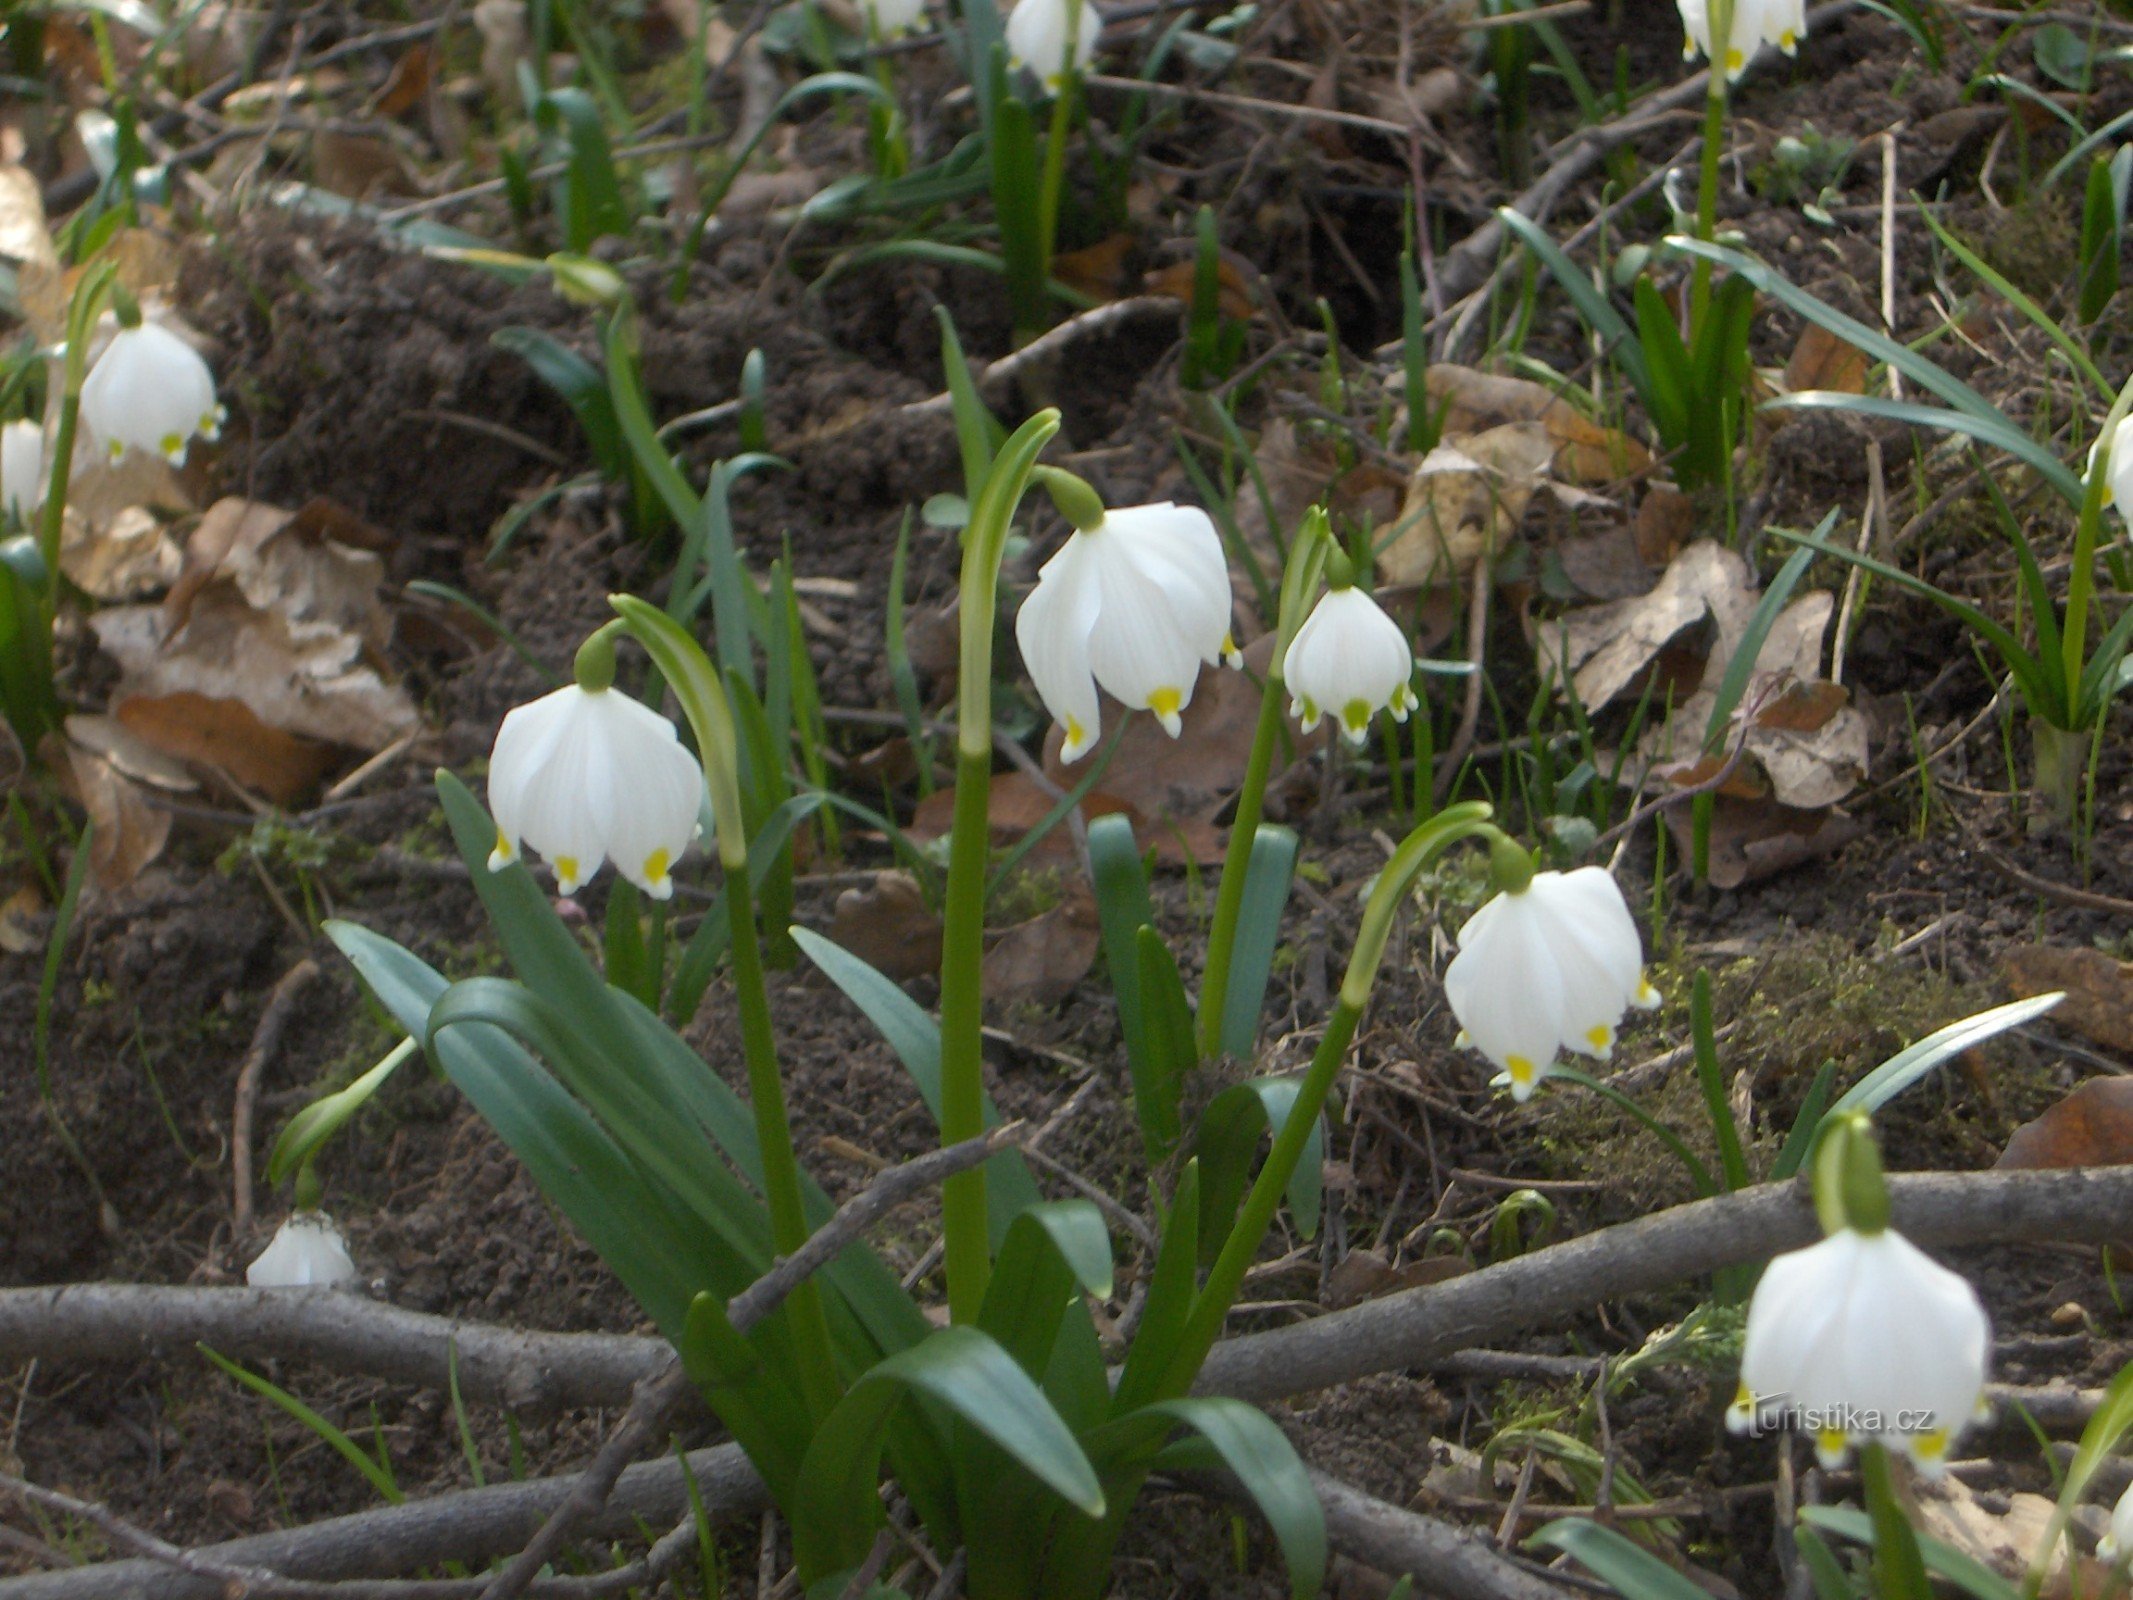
(2002, 1541)
(1755, 839)
(284, 619)
(25, 238)
(1606, 565)
(1471, 401)
(1666, 520)
(134, 757)
(1233, 289)
(2099, 990)
(2091, 1127)
(1466, 501)
(889, 926)
(408, 84)
(1366, 1275)
(226, 736)
(358, 166)
(1097, 270)
(128, 556)
(22, 921)
(1041, 960)
(1602, 650)
(1821, 360)
(1804, 707)
(130, 832)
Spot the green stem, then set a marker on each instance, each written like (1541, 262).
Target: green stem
(781, 1167)
(1210, 1309)
(1054, 184)
(966, 1243)
(1229, 896)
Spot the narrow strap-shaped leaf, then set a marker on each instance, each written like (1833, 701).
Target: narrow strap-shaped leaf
(1631, 1569)
(1229, 1135)
(1592, 304)
(582, 386)
(1906, 1067)
(1245, 1442)
(835, 1508)
(1172, 1283)
(1053, 1248)
(1268, 874)
(763, 1411)
(1122, 910)
(916, 1039)
(1167, 1052)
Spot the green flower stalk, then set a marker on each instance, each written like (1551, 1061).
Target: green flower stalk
(703, 699)
(966, 1243)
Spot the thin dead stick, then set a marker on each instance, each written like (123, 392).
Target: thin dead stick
(1097, 319)
(1477, 628)
(657, 1398)
(1245, 102)
(266, 1040)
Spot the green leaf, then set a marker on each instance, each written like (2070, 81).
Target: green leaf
(1824, 1571)
(1168, 1052)
(1742, 667)
(2001, 285)
(700, 958)
(1732, 1163)
(311, 1127)
(1994, 430)
(645, 1241)
(591, 191)
(1010, 1190)
(351, 1452)
(977, 430)
(583, 388)
(1800, 1141)
(1245, 1442)
(1268, 875)
(1907, 1066)
(1941, 1560)
(2105, 1432)
(1054, 1249)
(1122, 910)
(1592, 304)
(1172, 1283)
(1633, 1571)
(835, 1507)
(764, 1412)
(1228, 1149)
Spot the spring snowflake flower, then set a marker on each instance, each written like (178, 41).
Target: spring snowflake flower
(2117, 1545)
(588, 775)
(1755, 23)
(1134, 604)
(1037, 36)
(1547, 968)
(892, 17)
(1864, 1338)
(150, 390)
(306, 1252)
(1349, 661)
(2118, 470)
(21, 469)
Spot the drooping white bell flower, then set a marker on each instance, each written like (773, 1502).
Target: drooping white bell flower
(1135, 604)
(892, 17)
(2118, 469)
(1349, 661)
(1548, 968)
(2117, 1545)
(590, 775)
(150, 390)
(21, 469)
(1755, 23)
(306, 1252)
(1037, 36)
(1864, 1338)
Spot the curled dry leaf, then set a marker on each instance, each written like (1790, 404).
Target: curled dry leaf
(226, 736)
(25, 239)
(277, 615)
(888, 925)
(130, 829)
(1753, 839)
(1039, 961)
(1821, 360)
(1809, 742)
(2003, 1536)
(2091, 1127)
(128, 556)
(2098, 988)
(1469, 401)
(1465, 502)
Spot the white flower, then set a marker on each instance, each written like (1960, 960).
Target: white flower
(1037, 36)
(1755, 23)
(1549, 968)
(151, 391)
(305, 1252)
(2118, 471)
(21, 469)
(1349, 660)
(1864, 1337)
(588, 775)
(892, 17)
(2117, 1545)
(1135, 604)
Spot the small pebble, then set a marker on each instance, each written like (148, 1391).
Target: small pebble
(2070, 1315)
